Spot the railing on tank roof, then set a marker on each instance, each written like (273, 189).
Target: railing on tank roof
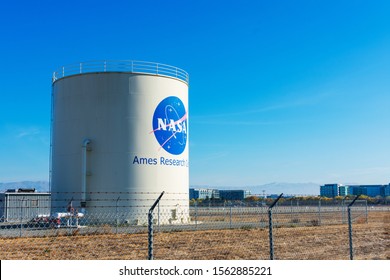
(130, 66)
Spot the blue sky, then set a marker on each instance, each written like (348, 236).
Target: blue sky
(280, 91)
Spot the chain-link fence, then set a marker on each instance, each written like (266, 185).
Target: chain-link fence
(294, 228)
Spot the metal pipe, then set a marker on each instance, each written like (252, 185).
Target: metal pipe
(84, 174)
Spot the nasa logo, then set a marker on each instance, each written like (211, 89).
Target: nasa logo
(170, 125)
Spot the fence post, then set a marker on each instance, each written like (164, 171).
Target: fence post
(158, 216)
(350, 227)
(230, 216)
(150, 227)
(366, 212)
(319, 211)
(343, 210)
(270, 226)
(196, 215)
(116, 214)
(21, 217)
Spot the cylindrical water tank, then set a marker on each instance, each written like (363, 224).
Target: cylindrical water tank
(120, 138)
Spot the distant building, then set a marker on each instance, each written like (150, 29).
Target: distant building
(343, 190)
(23, 204)
(215, 194)
(203, 193)
(329, 190)
(332, 190)
(369, 190)
(234, 194)
(386, 190)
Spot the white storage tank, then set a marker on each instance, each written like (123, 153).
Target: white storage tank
(120, 138)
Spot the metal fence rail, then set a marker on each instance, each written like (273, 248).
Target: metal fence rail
(128, 66)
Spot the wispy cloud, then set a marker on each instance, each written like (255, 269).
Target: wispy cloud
(27, 132)
(214, 156)
(373, 171)
(369, 175)
(309, 100)
(216, 121)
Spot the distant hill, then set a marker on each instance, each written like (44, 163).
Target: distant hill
(287, 188)
(275, 188)
(40, 186)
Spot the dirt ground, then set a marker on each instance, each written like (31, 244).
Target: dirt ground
(370, 241)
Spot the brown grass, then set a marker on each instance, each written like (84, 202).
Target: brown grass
(371, 241)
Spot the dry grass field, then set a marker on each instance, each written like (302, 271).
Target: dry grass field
(371, 241)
